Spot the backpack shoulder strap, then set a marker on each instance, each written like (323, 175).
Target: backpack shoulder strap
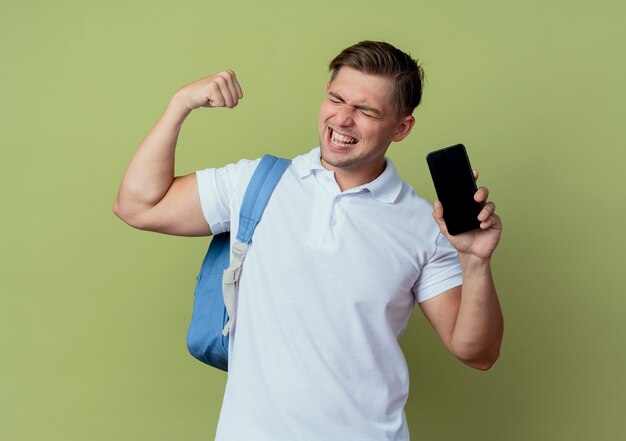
(260, 188)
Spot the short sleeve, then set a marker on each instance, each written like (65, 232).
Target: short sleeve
(221, 191)
(441, 272)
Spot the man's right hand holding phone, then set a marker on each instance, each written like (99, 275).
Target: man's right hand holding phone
(481, 242)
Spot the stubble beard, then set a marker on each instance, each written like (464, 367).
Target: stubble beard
(350, 162)
(346, 163)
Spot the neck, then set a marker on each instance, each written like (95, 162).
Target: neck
(348, 178)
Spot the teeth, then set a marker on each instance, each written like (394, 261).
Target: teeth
(342, 140)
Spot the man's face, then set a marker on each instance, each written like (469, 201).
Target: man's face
(357, 122)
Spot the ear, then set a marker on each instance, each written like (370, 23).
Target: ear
(327, 86)
(403, 128)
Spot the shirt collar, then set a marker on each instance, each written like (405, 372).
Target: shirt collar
(385, 188)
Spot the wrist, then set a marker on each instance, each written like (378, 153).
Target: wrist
(176, 111)
(475, 264)
(179, 105)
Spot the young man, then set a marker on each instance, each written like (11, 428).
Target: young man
(344, 252)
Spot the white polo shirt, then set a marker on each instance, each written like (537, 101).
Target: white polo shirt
(327, 287)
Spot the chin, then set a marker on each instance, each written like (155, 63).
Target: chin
(334, 160)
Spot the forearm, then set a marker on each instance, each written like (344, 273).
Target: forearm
(151, 170)
(478, 330)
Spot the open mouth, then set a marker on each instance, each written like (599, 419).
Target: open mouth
(341, 140)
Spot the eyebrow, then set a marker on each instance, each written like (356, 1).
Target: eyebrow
(357, 106)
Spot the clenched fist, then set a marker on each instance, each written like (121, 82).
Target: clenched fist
(219, 90)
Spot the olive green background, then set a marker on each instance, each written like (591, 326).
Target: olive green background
(94, 313)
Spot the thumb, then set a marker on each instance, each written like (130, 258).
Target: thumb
(438, 216)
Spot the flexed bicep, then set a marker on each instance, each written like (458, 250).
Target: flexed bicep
(178, 213)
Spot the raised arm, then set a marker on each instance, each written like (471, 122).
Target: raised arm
(150, 196)
(468, 318)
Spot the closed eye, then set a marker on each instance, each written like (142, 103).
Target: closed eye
(335, 99)
(366, 111)
(371, 115)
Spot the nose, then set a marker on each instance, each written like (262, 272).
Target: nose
(344, 116)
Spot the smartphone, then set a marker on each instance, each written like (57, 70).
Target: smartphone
(455, 186)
